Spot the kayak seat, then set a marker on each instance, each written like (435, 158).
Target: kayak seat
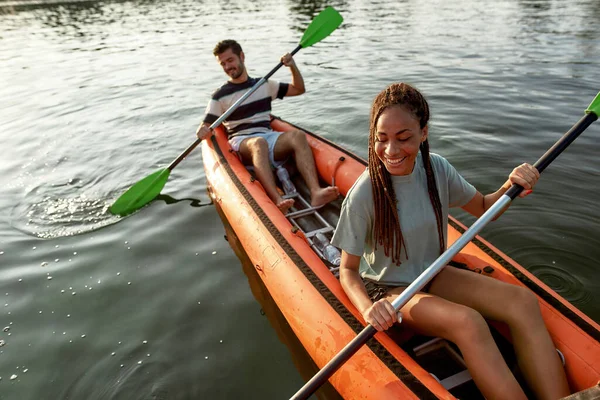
(443, 362)
(592, 393)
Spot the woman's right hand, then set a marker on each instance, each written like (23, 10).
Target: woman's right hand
(382, 315)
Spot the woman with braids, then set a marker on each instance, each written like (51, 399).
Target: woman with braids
(393, 226)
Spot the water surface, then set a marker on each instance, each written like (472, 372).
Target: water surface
(98, 94)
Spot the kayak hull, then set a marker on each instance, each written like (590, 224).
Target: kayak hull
(322, 317)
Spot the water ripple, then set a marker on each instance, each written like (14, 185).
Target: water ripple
(53, 217)
(563, 283)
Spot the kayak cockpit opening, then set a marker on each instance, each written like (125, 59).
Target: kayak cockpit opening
(317, 224)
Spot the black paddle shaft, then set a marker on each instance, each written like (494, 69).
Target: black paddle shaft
(369, 331)
(197, 141)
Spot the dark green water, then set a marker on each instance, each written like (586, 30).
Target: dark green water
(96, 95)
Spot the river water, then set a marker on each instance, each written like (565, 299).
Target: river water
(96, 95)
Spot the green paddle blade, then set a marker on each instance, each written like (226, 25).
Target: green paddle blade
(141, 193)
(594, 106)
(321, 27)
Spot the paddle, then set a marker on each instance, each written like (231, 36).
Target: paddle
(592, 113)
(148, 188)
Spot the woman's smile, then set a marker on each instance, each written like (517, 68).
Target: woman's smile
(394, 161)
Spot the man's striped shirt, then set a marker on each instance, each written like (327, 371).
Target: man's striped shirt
(254, 114)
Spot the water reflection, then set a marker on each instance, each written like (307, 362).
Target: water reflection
(535, 5)
(76, 15)
(310, 8)
(302, 12)
(547, 18)
(172, 200)
(14, 7)
(68, 18)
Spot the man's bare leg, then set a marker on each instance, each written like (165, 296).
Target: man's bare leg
(294, 142)
(256, 151)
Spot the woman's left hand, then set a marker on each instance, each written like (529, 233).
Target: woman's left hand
(525, 175)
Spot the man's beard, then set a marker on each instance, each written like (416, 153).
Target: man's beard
(239, 70)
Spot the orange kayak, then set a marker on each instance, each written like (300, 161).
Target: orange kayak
(397, 363)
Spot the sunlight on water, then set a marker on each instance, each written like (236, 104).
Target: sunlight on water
(56, 217)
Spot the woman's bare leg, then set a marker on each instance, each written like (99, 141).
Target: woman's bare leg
(434, 316)
(519, 309)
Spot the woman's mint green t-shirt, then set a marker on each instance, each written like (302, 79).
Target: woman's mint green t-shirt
(354, 232)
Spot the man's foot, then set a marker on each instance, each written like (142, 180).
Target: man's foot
(285, 204)
(323, 196)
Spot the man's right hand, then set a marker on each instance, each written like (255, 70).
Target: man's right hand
(203, 131)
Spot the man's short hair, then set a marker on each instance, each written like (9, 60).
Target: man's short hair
(224, 45)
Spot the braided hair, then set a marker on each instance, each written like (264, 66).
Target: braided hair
(387, 231)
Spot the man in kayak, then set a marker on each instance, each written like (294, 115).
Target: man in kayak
(249, 126)
(393, 225)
